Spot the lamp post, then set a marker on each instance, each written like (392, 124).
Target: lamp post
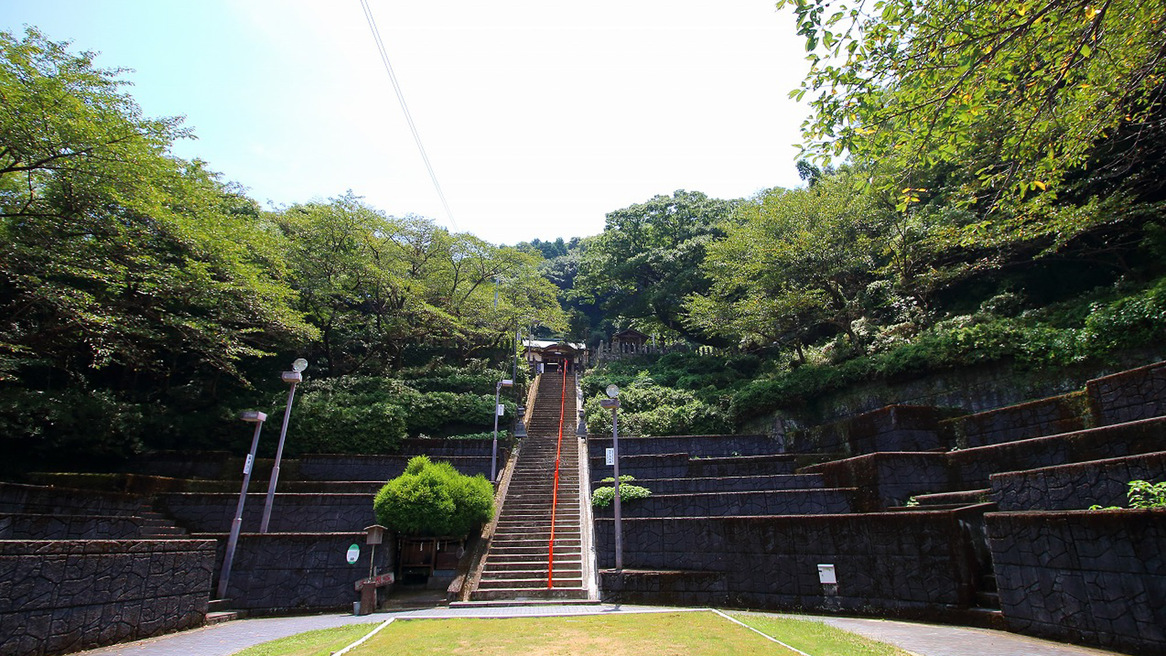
(257, 418)
(506, 382)
(612, 403)
(293, 378)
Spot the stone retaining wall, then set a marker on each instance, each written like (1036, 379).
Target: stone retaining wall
(383, 468)
(726, 483)
(895, 477)
(679, 465)
(892, 428)
(1058, 414)
(290, 513)
(1097, 577)
(971, 468)
(44, 500)
(917, 564)
(281, 573)
(887, 479)
(727, 504)
(702, 446)
(1130, 395)
(69, 527)
(65, 596)
(1076, 486)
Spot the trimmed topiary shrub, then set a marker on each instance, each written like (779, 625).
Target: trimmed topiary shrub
(433, 499)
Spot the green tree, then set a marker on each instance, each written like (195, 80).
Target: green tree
(115, 256)
(648, 257)
(794, 265)
(1013, 95)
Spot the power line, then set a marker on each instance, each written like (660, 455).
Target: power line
(376, 35)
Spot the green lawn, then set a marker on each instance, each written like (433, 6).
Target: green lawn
(646, 634)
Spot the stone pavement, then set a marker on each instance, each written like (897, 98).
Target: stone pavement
(921, 639)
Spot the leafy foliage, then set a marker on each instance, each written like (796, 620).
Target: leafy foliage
(647, 259)
(433, 499)
(1013, 94)
(604, 497)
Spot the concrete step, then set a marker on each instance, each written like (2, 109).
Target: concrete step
(538, 582)
(528, 594)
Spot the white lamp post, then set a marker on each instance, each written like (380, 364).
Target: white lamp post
(257, 418)
(498, 409)
(612, 403)
(292, 377)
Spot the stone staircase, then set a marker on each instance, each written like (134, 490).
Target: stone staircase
(517, 566)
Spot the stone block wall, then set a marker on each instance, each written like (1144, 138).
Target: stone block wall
(1058, 414)
(290, 513)
(727, 483)
(701, 446)
(65, 596)
(895, 564)
(40, 499)
(281, 573)
(183, 464)
(892, 428)
(1096, 578)
(69, 527)
(1129, 395)
(887, 479)
(971, 468)
(728, 504)
(382, 468)
(1076, 486)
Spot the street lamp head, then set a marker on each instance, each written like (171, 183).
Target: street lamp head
(253, 416)
(613, 391)
(506, 382)
(299, 365)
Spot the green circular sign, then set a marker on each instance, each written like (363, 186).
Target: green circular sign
(353, 553)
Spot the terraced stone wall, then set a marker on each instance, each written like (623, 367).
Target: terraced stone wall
(725, 504)
(1097, 577)
(64, 596)
(283, 573)
(918, 564)
(384, 467)
(1130, 395)
(1058, 414)
(892, 428)
(291, 513)
(69, 527)
(1077, 486)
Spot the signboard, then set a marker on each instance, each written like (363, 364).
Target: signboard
(353, 553)
(610, 456)
(247, 464)
(501, 410)
(826, 575)
(377, 581)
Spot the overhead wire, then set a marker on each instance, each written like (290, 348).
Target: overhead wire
(376, 35)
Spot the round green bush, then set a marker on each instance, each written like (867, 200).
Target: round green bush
(432, 499)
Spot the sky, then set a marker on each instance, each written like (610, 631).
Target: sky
(538, 117)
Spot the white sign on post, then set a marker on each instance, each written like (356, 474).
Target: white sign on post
(353, 554)
(247, 463)
(501, 409)
(610, 456)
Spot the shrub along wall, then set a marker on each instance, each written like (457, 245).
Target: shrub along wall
(64, 596)
(1092, 577)
(895, 564)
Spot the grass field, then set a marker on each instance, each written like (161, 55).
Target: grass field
(648, 634)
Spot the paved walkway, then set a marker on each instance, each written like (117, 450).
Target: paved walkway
(922, 639)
